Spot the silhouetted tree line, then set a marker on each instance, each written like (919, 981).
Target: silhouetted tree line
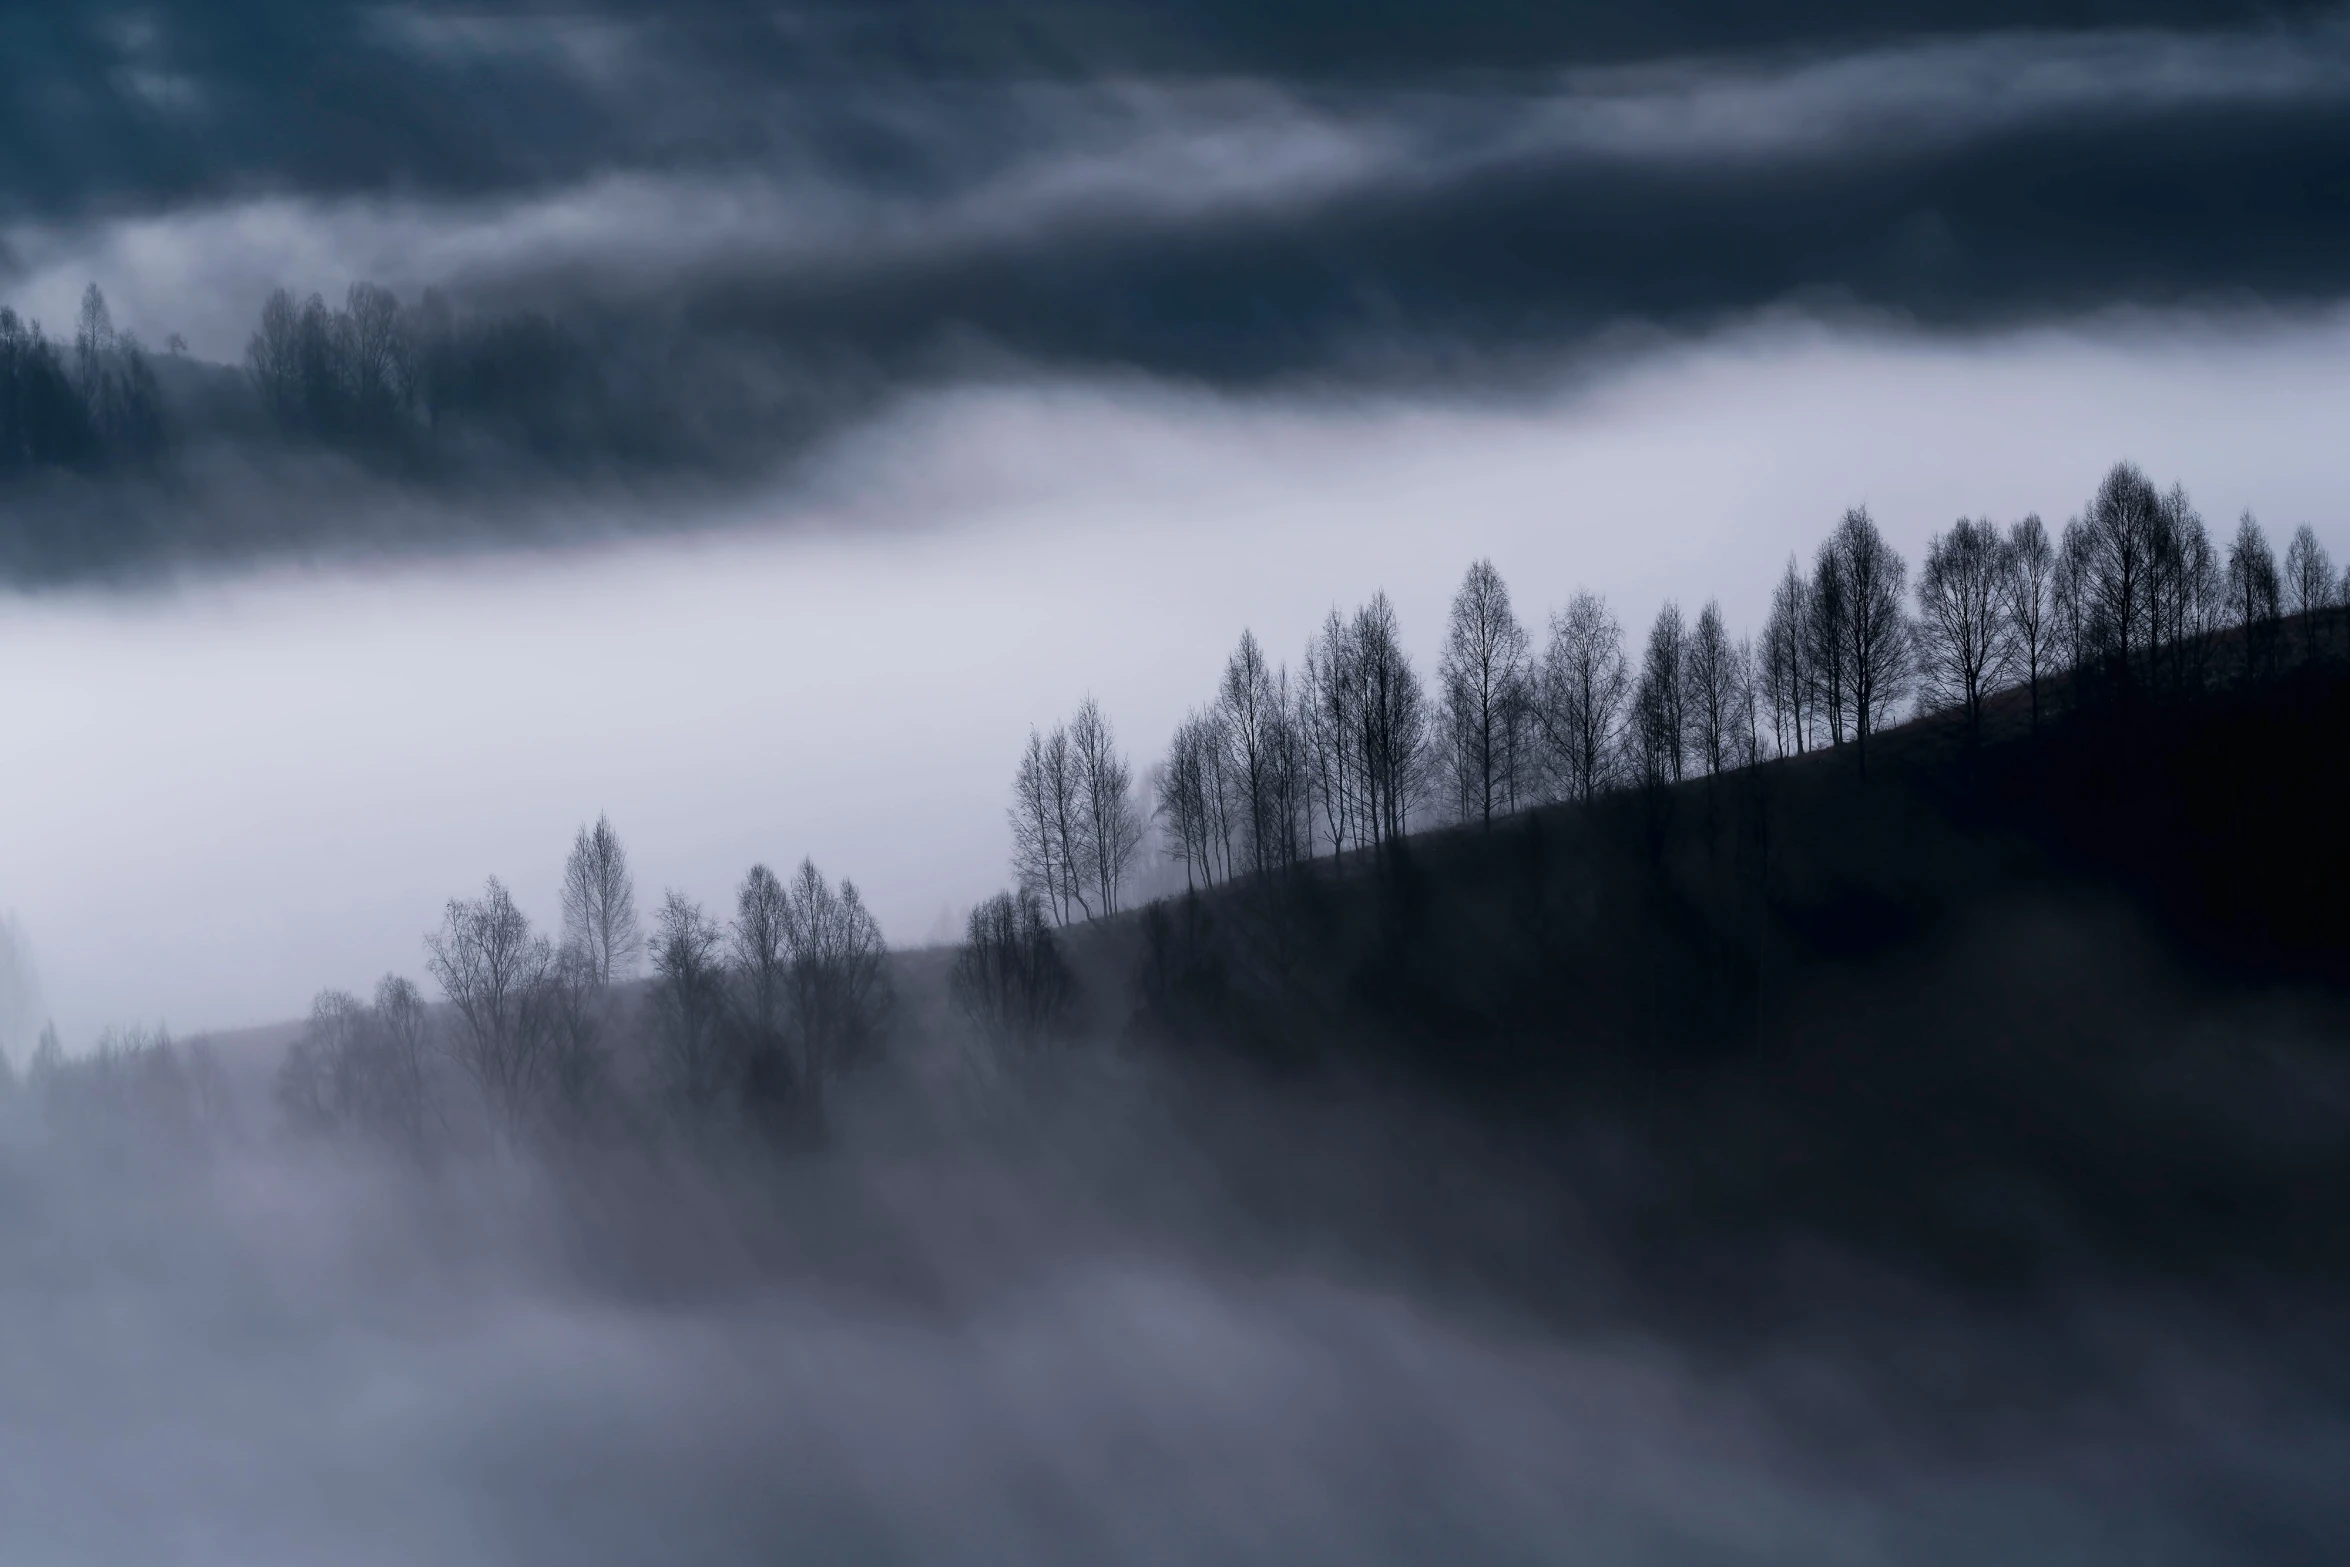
(409, 386)
(90, 405)
(2132, 601)
(138, 1090)
(743, 1022)
(381, 379)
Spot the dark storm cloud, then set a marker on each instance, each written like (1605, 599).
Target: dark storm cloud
(1221, 184)
(755, 226)
(142, 103)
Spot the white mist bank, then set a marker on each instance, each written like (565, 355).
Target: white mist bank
(228, 794)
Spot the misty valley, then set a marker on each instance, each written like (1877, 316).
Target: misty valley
(1179, 782)
(1595, 1108)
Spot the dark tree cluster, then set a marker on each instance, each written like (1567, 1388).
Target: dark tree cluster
(418, 388)
(745, 1021)
(1075, 824)
(92, 405)
(138, 1089)
(387, 381)
(1010, 980)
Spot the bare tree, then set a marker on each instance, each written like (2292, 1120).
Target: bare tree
(2255, 594)
(408, 1035)
(1329, 702)
(489, 965)
(2028, 594)
(1710, 691)
(1010, 979)
(1113, 823)
(571, 1007)
(1746, 703)
(1876, 636)
(1583, 683)
(1036, 856)
(838, 989)
(599, 904)
(762, 965)
(319, 1084)
(1187, 811)
(1662, 720)
(1394, 740)
(2116, 544)
(2185, 593)
(362, 1069)
(1482, 675)
(1966, 635)
(1052, 825)
(2309, 585)
(377, 355)
(1786, 662)
(697, 1068)
(1830, 604)
(1071, 822)
(1252, 708)
(1289, 798)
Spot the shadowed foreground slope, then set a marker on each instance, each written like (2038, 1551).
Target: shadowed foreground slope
(1945, 1166)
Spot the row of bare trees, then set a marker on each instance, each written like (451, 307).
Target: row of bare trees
(138, 1091)
(1076, 826)
(755, 1015)
(1010, 979)
(2131, 599)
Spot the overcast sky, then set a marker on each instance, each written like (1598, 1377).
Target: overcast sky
(1130, 326)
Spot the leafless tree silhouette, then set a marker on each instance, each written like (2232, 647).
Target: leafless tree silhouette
(2309, 586)
(758, 945)
(599, 904)
(1966, 636)
(1394, 740)
(1662, 725)
(1113, 821)
(1329, 703)
(2116, 541)
(2255, 595)
(1830, 603)
(1710, 696)
(1010, 979)
(838, 992)
(2027, 601)
(1582, 685)
(1786, 662)
(571, 1012)
(1192, 810)
(362, 1069)
(489, 966)
(1254, 713)
(1872, 581)
(697, 1067)
(2186, 594)
(1482, 677)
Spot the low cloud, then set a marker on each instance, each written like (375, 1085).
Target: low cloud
(913, 205)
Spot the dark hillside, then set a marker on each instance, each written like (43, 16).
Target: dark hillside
(2071, 1000)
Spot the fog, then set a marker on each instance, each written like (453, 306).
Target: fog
(250, 787)
(752, 424)
(1108, 1310)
